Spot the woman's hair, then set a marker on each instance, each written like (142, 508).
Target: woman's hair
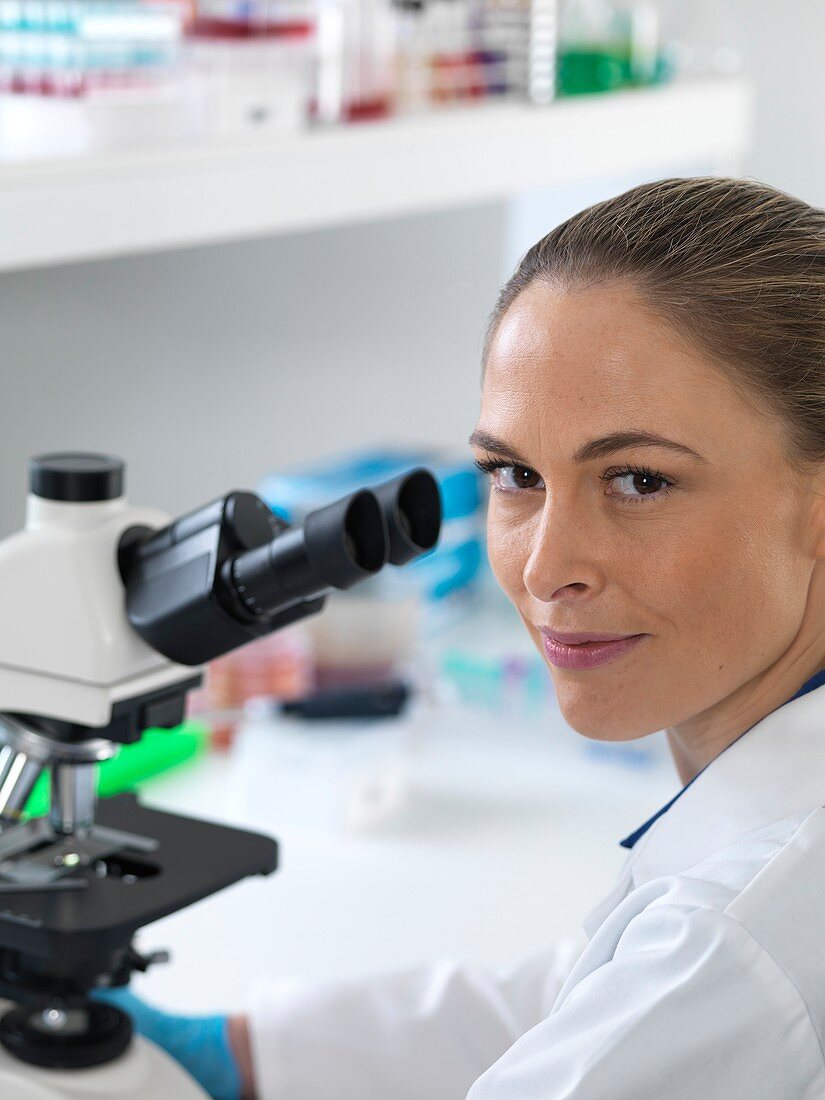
(734, 265)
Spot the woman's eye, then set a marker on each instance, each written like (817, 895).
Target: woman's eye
(638, 484)
(631, 484)
(516, 477)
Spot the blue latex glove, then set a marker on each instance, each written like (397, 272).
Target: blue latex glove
(199, 1043)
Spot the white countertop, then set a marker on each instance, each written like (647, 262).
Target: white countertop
(454, 831)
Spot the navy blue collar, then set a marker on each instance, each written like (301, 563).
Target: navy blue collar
(817, 680)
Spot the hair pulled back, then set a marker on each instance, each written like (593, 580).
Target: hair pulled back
(736, 266)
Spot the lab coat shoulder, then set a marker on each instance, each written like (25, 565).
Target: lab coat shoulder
(704, 983)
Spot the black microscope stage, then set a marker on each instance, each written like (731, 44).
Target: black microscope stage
(71, 933)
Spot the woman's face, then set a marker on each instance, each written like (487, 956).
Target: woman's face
(709, 556)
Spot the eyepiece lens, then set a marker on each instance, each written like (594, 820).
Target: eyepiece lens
(419, 509)
(364, 534)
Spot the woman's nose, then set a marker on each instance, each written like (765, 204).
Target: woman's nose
(561, 563)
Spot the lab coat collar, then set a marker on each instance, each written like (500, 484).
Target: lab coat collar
(776, 769)
(815, 681)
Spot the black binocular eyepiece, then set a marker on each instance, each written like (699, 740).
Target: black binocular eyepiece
(339, 545)
(232, 571)
(412, 508)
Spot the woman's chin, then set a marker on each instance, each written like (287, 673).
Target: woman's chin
(602, 720)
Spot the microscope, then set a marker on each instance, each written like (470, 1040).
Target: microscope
(108, 615)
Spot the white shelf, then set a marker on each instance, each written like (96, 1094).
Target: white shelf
(124, 202)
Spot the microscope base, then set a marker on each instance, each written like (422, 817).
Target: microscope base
(80, 1035)
(144, 1070)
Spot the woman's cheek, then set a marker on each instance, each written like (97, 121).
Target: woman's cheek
(718, 603)
(508, 548)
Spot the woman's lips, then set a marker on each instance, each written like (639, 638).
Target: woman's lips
(587, 654)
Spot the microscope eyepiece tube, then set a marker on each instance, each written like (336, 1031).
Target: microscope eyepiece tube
(412, 509)
(336, 547)
(347, 540)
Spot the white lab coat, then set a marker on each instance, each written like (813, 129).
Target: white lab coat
(701, 974)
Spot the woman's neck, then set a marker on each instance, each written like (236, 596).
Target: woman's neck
(697, 741)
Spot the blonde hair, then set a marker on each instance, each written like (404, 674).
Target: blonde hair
(735, 265)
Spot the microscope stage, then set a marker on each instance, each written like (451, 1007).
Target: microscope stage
(71, 929)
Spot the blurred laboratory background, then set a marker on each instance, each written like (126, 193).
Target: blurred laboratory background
(253, 244)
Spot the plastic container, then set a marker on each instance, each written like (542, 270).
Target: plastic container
(55, 48)
(356, 61)
(250, 87)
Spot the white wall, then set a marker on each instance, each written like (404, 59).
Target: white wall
(208, 367)
(781, 46)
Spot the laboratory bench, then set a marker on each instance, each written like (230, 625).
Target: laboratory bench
(478, 832)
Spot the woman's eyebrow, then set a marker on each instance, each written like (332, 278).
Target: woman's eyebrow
(617, 441)
(595, 448)
(489, 442)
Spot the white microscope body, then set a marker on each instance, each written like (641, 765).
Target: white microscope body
(67, 650)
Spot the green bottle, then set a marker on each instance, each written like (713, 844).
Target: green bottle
(603, 49)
